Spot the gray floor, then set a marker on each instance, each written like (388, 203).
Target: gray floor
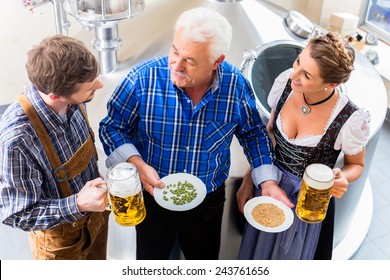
(376, 245)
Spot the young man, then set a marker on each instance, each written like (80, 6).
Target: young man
(48, 170)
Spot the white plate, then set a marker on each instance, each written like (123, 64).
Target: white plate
(288, 213)
(174, 179)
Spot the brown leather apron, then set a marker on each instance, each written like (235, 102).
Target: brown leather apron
(85, 238)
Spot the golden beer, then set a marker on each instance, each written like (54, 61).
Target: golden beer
(126, 196)
(128, 211)
(314, 194)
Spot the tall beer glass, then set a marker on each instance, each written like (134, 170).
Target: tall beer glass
(314, 194)
(124, 187)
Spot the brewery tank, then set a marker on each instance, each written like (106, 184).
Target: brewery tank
(258, 28)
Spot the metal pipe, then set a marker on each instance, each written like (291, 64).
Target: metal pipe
(62, 24)
(100, 15)
(248, 56)
(104, 9)
(107, 42)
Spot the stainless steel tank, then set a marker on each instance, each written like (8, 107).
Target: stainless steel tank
(103, 16)
(258, 26)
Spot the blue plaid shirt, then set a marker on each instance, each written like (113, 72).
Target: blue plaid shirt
(30, 198)
(151, 117)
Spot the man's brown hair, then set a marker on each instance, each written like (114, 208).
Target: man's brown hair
(59, 63)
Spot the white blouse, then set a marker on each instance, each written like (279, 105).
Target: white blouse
(354, 134)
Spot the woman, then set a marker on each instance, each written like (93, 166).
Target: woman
(311, 122)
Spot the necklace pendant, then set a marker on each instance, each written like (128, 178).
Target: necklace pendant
(305, 110)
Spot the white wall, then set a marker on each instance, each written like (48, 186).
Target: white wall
(20, 29)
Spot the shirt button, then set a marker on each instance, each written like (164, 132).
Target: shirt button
(190, 124)
(187, 148)
(74, 224)
(185, 170)
(188, 101)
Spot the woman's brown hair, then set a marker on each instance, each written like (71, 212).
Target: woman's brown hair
(335, 57)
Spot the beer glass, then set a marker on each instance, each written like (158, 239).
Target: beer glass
(124, 187)
(314, 194)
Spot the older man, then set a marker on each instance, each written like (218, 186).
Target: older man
(179, 114)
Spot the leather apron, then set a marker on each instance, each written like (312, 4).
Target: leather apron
(85, 238)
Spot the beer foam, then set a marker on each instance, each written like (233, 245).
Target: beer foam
(121, 174)
(123, 180)
(319, 176)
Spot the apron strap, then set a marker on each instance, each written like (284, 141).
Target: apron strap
(91, 133)
(75, 165)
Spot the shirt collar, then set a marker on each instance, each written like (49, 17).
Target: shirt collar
(50, 118)
(215, 83)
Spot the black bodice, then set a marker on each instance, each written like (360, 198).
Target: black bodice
(294, 158)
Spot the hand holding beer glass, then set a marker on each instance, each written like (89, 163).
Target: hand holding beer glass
(315, 193)
(124, 187)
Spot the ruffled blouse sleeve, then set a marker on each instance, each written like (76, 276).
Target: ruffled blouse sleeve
(277, 88)
(354, 134)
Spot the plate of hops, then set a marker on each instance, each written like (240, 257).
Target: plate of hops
(182, 192)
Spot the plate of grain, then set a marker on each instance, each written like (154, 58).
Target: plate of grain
(268, 214)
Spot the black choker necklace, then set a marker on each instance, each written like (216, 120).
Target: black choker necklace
(306, 107)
